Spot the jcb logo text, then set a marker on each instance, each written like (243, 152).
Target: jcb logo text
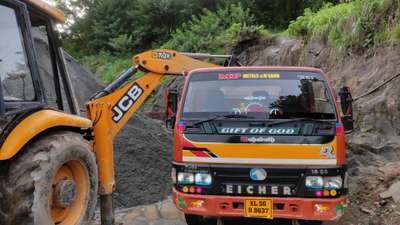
(126, 102)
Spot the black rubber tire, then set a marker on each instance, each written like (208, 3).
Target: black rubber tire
(309, 222)
(199, 220)
(25, 186)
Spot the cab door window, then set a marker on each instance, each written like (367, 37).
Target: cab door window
(15, 75)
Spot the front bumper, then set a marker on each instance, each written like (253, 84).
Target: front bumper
(288, 208)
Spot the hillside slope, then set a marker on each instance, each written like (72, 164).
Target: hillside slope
(373, 148)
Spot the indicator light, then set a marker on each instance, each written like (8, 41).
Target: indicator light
(181, 126)
(318, 193)
(192, 189)
(185, 189)
(326, 193)
(333, 192)
(199, 189)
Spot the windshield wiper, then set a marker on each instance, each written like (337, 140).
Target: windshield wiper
(229, 116)
(298, 119)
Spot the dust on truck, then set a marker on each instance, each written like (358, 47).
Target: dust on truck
(260, 142)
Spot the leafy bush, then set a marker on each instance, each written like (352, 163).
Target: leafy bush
(397, 33)
(356, 25)
(212, 31)
(106, 65)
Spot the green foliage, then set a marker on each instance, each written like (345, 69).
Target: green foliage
(212, 31)
(123, 26)
(120, 43)
(397, 33)
(106, 65)
(357, 25)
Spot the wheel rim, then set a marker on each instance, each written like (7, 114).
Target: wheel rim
(68, 193)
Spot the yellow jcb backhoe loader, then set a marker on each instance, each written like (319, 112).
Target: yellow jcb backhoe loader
(54, 162)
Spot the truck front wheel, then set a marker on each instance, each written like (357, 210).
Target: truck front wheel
(307, 222)
(53, 181)
(200, 220)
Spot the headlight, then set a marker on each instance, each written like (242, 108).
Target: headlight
(173, 175)
(333, 182)
(315, 182)
(185, 178)
(203, 179)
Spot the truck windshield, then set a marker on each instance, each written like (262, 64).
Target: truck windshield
(259, 94)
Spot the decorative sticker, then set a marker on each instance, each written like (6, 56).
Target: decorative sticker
(261, 76)
(259, 130)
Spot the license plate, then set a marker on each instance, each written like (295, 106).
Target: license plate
(258, 208)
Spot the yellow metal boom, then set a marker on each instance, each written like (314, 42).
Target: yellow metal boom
(57, 14)
(111, 108)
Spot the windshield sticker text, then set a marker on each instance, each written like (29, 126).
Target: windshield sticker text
(261, 76)
(247, 139)
(229, 76)
(259, 130)
(306, 77)
(255, 98)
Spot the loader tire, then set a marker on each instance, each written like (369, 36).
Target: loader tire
(53, 181)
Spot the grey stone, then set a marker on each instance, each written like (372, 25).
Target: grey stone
(138, 221)
(168, 222)
(169, 211)
(393, 192)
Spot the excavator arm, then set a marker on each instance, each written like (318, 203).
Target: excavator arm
(111, 108)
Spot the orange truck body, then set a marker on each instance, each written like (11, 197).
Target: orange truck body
(286, 165)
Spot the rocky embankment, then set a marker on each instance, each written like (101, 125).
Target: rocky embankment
(374, 146)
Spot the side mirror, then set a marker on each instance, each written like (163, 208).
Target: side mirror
(346, 103)
(170, 122)
(172, 99)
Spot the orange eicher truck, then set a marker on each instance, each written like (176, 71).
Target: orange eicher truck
(260, 142)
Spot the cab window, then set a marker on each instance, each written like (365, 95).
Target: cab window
(15, 75)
